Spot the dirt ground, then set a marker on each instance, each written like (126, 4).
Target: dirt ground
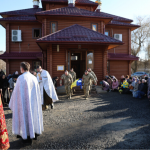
(104, 121)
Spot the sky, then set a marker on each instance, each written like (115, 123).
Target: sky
(125, 8)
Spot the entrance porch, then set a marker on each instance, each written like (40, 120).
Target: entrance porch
(78, 57)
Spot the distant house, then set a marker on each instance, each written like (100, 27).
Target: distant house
(68, 33)
(2, 63)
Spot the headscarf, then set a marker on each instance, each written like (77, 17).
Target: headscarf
(133, 79)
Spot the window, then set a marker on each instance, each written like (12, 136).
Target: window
(36, 33)
(90, 60)
(74, 57)
(53, 27)
(107, 33)
(94, 27)
(35, 64)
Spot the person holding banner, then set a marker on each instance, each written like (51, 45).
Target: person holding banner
(68, 80)
(86, 80)
(73, 74)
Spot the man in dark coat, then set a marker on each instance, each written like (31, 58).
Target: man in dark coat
(3, 87)
(140, 92)
(2, 73)
(55, 79)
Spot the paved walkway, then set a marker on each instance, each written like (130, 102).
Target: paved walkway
(105, 121)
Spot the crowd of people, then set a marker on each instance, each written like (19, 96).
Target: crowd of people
(26, 95)
(138, 87)
(7, 84)
(34, 91)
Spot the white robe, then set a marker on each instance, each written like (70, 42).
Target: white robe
(26, 105)
(48, 85)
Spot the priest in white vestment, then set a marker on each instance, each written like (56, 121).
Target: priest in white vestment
(48, 92)
(26, 106)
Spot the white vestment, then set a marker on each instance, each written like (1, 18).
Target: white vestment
(47, 84)
(26, 105)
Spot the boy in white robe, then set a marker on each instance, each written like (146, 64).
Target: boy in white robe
(26, 105)
(48, 92)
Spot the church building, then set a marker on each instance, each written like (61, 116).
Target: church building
(66, 34)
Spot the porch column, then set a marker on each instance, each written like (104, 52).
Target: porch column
(130, 68)
(49, 59)
(104, 62)
(47, 6)
(44, 27)
(50, 49)
(44, 60)
(129, 41)
(7, 37)
(102, 27)
(7, 67)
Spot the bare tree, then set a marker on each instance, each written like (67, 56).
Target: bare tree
(139, 38)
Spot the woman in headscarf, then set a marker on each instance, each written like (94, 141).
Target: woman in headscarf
(141, 89)
(135, 87)
(121, 80)
(127, 78)
(12, 84)
(105, 86)
(109, 80)
(132, 85)
(106, 78)
(115, 84)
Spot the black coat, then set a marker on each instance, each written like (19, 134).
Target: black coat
(145, 88)
(141, 87)
(2, 73)
(55, 81)
(4, 83)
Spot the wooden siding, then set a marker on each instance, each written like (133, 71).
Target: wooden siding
(126, 38)
(49, 60)
(64, 23)
(54, 6)
(7, 38)
(7, 67)
(104, 55)
(118, 68)
(98, 63)
(59, 58)
(14, 65)
(28, 43)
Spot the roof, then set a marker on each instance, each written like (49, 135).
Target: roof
(77, 1)
(113, 22)
(22, 55)
(19, 18)
(66, 11)
(115, 17)
(72, 11)
(77, 33)
(118, 56)
(30, 11)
